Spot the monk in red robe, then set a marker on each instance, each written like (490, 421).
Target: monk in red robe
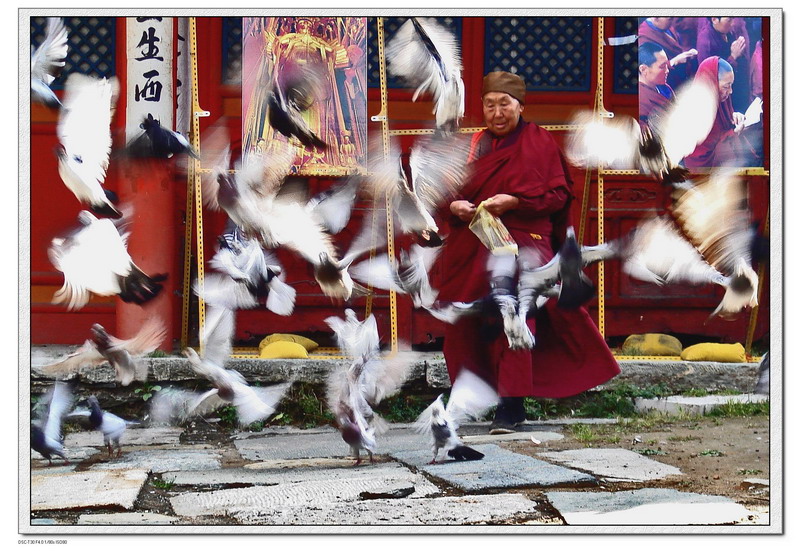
(724, 145)
(654, 92)
(520, 174)
(682, 60)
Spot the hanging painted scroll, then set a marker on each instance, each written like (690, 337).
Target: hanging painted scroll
(334, 50)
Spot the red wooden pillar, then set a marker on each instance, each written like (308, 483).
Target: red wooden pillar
(147, 184)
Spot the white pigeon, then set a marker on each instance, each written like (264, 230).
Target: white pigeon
(354, 390)
(230, 387)
(427, 56)
(470, 397)
(84, 131)
(438, 170)
(94, 259)
(46, 437)
(125, 356)
(619, 142)
(409, 277)
(48, 61)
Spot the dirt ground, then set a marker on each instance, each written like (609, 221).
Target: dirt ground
(715, 455)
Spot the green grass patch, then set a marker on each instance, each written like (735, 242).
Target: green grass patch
(749, 471)
(163, 484)
(584, 433)
(711, 453)
(740, 409)
(402, 408)
(157, 354)
(650, 451)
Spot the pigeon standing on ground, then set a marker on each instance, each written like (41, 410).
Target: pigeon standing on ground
(353, 391)
(48, 61)
(112, 426)
(427, 56)
(470, 396)
(84, 131)
(94, 259)
(762, 385)
(46, 431)
(158, 142)
(125, 356)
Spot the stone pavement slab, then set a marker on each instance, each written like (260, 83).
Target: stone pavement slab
(321, 490)
(127, 519)
(390, 472)
(74, 455)
(159, 461)
(648, 506)
(397, 512)
(323, 444)
(512, 437)
(497, 470)
(111, 488)
(613, 464)
(694, 405)
(150, 436)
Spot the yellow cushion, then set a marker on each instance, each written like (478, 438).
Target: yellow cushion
(283, 349)
(308, 344)
(653, 344)
(714, 352)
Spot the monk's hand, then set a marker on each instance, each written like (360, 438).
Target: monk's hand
(463, 209)
(737, 47)
(738, 122)
(500, 204)
(682, 57)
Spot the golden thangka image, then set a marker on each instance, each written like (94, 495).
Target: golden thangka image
(334, 48)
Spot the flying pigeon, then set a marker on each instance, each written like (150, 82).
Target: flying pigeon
(84, 132)
(48, 61)
(713, 215)
(427, 56)
(125, 356)
(158, 142)
(353, 391)
(619, 142)
(46, 431)
(293, 91)
(437, 171)
(470, 396)
(230, 387)
(94, 259)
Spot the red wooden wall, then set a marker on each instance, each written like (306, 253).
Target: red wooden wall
(629, 306)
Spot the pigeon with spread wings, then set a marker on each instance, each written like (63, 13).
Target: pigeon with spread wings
(427, 56)
(46, 435)
(48, 61)
(84, 132)
(94, 259)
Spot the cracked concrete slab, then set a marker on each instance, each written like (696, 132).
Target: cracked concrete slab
(512, 437)
(485, 509)
(312, 489)
(151, 436)
(126, 519)
(613, 464)
(110, 488)
(323, 444)
(159, 461)
(648, 506)
(498, 469)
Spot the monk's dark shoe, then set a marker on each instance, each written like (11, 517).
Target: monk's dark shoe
(502, 423)
(501, 428)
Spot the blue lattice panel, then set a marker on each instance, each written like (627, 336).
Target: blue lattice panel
(232, 50)
(550, 53)
(626, 57)
(90, 45)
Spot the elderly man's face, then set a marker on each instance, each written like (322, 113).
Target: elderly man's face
(501, 113)
(725, 86)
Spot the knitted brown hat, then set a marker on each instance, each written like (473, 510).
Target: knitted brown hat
(501, 81)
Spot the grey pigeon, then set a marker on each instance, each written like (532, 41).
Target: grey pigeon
(46, 437)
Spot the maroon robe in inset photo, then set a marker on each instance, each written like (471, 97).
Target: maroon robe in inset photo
(652, 101)
(681, 72)
(570, 354)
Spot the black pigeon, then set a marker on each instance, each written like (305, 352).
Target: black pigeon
(291, 94)
(158, 142)
(112, 426)
(46, 431)
(576, 287)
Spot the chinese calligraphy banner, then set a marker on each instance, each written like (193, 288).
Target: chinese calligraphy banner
(150, 87)
(338, 115)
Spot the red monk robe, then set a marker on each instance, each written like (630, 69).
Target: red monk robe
(722, 146)
(570, 354)
(652, 100)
